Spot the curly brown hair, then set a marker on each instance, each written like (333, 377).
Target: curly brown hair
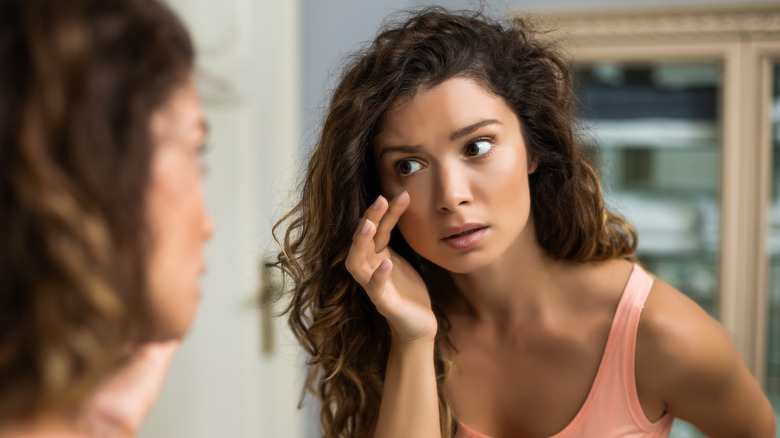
(78, 84)
(329, 312)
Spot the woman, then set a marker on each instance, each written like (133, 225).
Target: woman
(455, 270)
(102, 216)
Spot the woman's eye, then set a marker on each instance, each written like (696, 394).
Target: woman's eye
(477, 148)
(200, 157)
(408, 167)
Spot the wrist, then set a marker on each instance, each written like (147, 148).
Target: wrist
(412, 345)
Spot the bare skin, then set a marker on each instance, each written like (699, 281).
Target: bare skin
(409, 405)
(116, 409)
(529, 330)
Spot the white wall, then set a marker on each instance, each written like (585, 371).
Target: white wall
(220, 383)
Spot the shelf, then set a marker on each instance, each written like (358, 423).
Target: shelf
(657, 133)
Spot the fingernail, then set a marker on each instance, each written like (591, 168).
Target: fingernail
(376, 203)
(366, 226)
(402, 197)
(384, 265)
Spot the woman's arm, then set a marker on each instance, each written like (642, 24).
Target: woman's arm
(686, 361)
(410, 406)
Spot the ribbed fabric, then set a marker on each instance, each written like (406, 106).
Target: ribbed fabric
(612, 408)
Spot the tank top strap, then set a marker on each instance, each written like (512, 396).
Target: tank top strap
(626, 324)
(624, 329)
(612, 407)
(613, 402)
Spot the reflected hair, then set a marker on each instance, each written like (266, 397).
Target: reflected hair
(79, 82)
(329, 312)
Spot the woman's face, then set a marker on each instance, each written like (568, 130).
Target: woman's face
(459, 152)
(177, 217)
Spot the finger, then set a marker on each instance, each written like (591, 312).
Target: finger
(376, 286)
(375, 212)
(394, 211)
(362, 260)
(372, 216)
(362, 252)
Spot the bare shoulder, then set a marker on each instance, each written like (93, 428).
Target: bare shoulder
(687, 363)
(602, 281)
(678, 334)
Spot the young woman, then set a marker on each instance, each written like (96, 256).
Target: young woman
(455, 271)
(102, 217)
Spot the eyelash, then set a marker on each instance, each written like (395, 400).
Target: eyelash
(486, 154)
(200, 155)
(397, 164)
(203, 149)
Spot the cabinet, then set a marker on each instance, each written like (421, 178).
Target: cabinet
(681, 113)
(651, 129)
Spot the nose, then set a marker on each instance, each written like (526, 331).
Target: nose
(453, 189)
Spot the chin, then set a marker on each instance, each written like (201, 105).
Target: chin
(464, 263)
(171, 333)
(174, 329)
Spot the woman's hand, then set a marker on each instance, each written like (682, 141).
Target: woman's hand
(395, 288)
(120, 405)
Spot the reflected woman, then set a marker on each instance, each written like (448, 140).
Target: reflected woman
(102, 213)
(455, 271)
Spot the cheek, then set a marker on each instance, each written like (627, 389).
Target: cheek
(174, 208)
(176, 203)
(507, 179)
(416, 222)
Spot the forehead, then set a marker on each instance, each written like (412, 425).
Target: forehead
(453, 104)
(181, 113)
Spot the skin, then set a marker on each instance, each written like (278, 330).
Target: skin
(528, 347)
(179, 227)
(177, 217)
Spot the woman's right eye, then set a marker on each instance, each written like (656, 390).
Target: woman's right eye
(408, 167)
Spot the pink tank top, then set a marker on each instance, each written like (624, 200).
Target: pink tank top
(612, 408)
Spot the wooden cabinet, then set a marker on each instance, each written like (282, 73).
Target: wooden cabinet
(684, 106)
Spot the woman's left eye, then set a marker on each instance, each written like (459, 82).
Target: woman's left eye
(478, 147)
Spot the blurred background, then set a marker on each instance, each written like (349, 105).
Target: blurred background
(681, 114)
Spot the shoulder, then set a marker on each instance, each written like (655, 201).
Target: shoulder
(600, 280)
(687, 363)
(678, 342)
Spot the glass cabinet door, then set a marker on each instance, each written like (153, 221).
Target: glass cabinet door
(773, 246)
(653, 132)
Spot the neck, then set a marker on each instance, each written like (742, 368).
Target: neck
(517, 286)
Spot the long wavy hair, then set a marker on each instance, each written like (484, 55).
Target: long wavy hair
(78, 84)
(329, 312)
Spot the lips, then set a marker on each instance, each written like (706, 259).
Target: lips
(465, 236)
(454, 232)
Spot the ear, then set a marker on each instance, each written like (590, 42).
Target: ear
(532, 164)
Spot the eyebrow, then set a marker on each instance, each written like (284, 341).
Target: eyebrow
(400, 149)
(462, 132)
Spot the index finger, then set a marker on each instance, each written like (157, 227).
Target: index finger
(375, 212)
(396, 208)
